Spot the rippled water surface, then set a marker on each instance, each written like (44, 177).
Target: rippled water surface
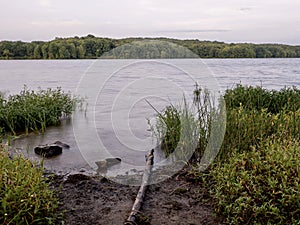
(115, 123)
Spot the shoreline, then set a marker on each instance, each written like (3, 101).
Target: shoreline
(180, 199)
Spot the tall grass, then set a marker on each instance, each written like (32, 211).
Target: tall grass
(254, 113)
(34, 110)
(176, 131)
(259, 98)
(187, 128)
(256, 175)
(25, 197)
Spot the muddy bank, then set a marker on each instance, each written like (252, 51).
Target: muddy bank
(96, 200)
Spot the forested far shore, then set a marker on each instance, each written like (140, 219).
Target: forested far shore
(91, 47)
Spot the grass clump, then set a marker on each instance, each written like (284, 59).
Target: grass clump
(176, 130)
(24, 194)
(258, 98)
(186, 128)
(34, 110)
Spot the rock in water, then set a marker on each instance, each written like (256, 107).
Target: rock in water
(48, 150)
(103, 165)
(112, 161)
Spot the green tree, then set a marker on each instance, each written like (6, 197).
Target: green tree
(7, 53)
(53, 51)
(37, 54)
(45, 50)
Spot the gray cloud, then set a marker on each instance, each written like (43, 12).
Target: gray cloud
(231, 20)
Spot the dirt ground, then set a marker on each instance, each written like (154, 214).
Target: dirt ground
(96, 200)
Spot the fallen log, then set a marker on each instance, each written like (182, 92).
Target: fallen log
(141, 194)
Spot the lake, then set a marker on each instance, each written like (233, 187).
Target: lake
(115, 122)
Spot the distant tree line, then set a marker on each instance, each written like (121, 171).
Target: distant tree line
(91, 47)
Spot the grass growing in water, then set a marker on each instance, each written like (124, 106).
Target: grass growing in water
(186, 128)
(32, 111)
(24, 194)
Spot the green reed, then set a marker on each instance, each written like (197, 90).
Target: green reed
(254, 113)
(187, 127)
(35, 110)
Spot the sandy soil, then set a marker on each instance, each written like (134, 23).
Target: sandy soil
(96, 200)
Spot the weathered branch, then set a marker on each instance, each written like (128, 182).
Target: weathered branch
(141, 194)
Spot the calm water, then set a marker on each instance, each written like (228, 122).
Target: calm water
(115, 122)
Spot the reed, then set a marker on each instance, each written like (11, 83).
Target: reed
(35, 110)
(186, 128)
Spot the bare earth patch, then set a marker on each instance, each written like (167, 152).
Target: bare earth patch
(91, 200)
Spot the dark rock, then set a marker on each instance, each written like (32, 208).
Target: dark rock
(75, 178)
(48, 150)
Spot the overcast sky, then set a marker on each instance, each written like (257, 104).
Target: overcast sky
(258, 21)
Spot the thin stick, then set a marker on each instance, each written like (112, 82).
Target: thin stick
(141, 194)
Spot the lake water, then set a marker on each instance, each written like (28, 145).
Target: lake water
(115, 122)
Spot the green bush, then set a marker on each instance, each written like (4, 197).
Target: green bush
(24, 194)
(260, 186)
(31, 111)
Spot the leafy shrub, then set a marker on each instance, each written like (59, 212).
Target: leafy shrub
(260, 186)
(24, 195)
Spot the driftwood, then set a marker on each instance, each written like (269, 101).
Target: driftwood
(141, 194)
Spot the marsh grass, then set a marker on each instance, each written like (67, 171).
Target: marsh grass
(259, 98)
(256, 177)
(24, 194)
(254, 114)
(35, 110)
(185, 128)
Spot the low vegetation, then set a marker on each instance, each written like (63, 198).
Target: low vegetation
(34, 110)
(256, 175)
(25, 196)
